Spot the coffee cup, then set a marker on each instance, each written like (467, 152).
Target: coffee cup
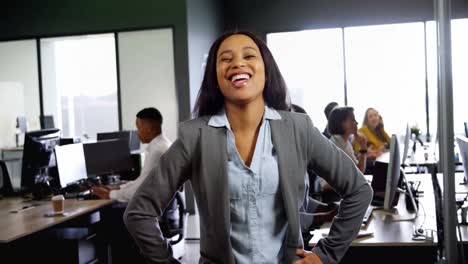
(58, 203)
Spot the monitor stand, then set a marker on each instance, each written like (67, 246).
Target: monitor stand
(402, 215)
(113, 179)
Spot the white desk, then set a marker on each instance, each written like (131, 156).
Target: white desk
(394, 239)
(388, 232)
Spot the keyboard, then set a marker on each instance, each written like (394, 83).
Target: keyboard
(84, 195)
(367, 215)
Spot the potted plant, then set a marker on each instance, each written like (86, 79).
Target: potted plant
(415, 131)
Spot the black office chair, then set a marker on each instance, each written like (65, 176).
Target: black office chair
(173, 220)
(466, 129)
(6, 188)
(122, 246)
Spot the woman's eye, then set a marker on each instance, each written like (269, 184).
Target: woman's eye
(226, 59)
(249, 56)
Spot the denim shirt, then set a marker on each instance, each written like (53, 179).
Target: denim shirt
(258, 220)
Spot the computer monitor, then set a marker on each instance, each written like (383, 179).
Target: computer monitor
(124, 135)
(107, 157)
(71, 165)
(134, 141)
(38, 156)
(47, 121)
(466, 129)
(462, 143)
(130, 136)
(393, 174)
(406, 145)
(22, 124)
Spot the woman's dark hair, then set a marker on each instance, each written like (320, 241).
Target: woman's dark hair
(297, 109)
(210, 99)
(336, 119)
(329, 108)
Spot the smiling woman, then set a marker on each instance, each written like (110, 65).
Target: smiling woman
(246, 156)
(211, 99)
(240, 70)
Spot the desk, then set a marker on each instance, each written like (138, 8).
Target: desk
(12, 153)
(17, 225)
(461, 191)
(73, 237)
(459, 188)
(392, 240)
(13, 159)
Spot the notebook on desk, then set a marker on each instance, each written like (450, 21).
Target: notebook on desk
(325, 229)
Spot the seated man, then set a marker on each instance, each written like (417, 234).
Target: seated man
(328, 109)
(148, 123)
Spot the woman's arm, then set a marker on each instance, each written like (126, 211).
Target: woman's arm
(151, 199)
(343, 175)
(362, 156)
(362, 161)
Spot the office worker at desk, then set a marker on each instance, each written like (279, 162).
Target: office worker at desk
(330, 106)
(342, 126)
(378, 140)
(246, 156)
(149, 126)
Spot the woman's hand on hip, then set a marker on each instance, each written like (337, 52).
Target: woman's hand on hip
(307, 257)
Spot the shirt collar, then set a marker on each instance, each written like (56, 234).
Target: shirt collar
(155, 140)
(220, 119)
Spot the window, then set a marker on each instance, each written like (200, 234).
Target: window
(311, 63)
(432, 76)
(459, 76)
(19, 89)
(80, 84)
(147, 77)
(385, 69)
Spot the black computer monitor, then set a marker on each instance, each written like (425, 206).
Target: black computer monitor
(123, 135)
(107, 157)
(385, 179)
(462, 143)
(22, 124)
(38, 156)
(393, 174)
(134, 141)
(406, 145)
(388, 178)
(71, 165)
(47, 121)
(130, 136)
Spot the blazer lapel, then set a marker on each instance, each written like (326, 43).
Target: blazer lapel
(214, 148)
(283, 140)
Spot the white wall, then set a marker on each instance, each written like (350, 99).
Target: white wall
(147, 78)
(18, 64)
(11, 108)
(50, 93)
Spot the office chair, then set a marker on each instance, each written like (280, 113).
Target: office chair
(173, 220)
(6, 188)
(122, 246)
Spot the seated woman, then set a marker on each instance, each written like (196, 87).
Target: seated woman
(373, 129)
(343, 129)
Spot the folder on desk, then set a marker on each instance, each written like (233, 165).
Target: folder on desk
(325, 229)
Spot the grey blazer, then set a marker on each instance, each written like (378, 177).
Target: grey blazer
(199, 155)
